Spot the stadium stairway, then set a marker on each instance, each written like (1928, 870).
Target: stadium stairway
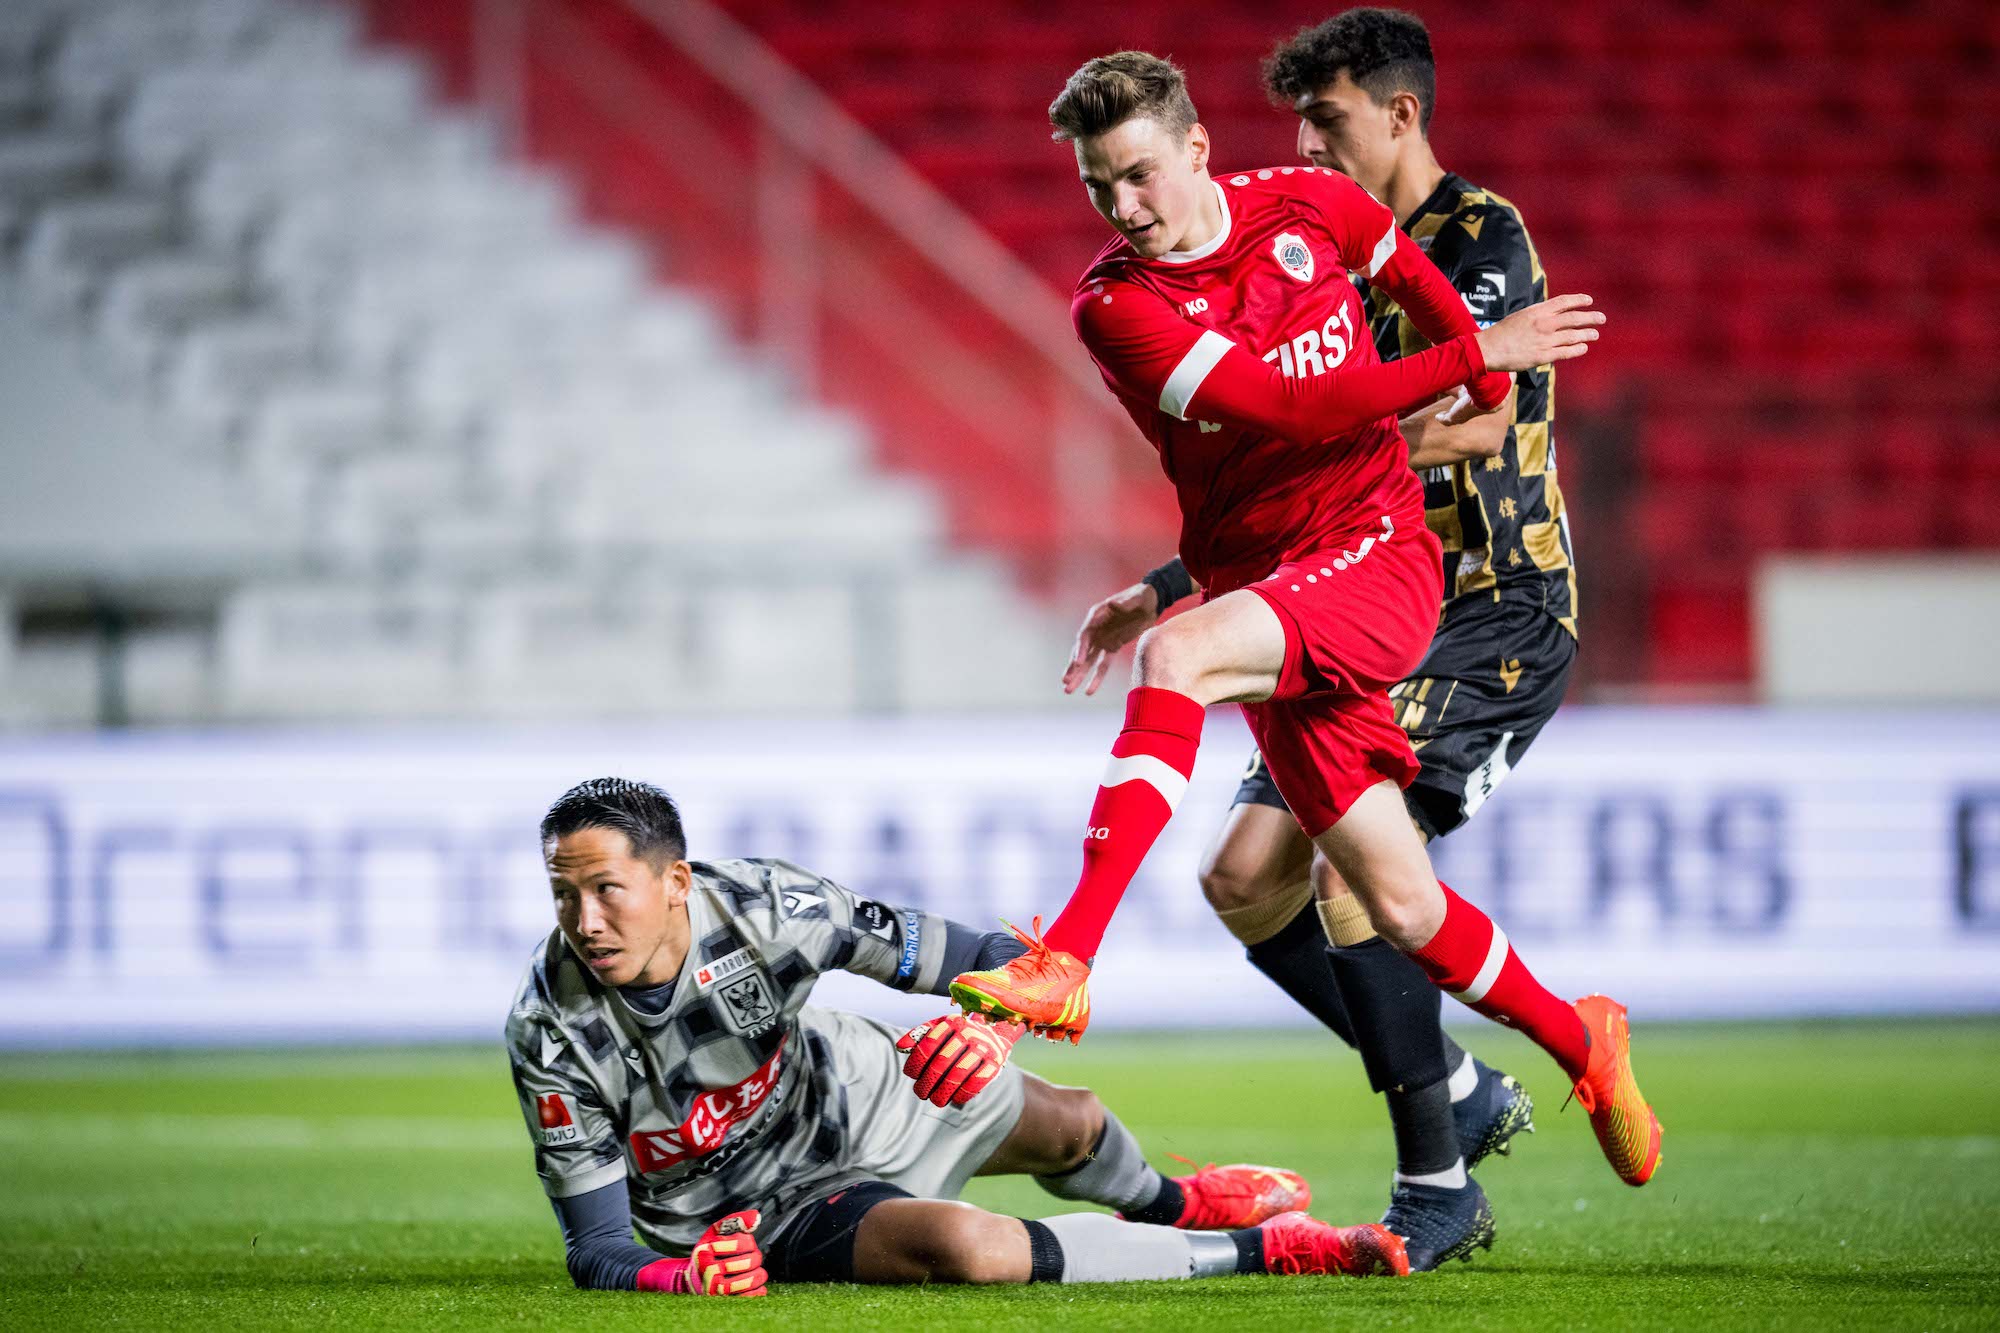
(487, 465)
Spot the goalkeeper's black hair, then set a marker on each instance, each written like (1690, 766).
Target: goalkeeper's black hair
(642, 812)
(1385, 52)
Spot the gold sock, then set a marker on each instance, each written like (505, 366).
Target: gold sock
(1346, 920)
(1260, 921)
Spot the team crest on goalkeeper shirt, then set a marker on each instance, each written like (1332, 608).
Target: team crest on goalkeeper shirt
(749, 1010)
(1294, 255)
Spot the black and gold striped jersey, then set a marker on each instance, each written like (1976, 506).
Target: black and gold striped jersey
(1501, 519)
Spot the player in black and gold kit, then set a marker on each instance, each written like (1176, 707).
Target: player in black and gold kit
(1507, 637)
(1363, 85)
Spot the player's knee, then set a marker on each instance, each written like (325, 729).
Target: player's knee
(1404, 919)
(1228, 885)
(972, 1246)
(1079, 1123)
(1168, 657)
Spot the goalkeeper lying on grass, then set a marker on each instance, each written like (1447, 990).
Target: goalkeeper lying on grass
(674, 1080)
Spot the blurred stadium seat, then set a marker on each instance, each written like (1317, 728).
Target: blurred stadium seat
(466, 412)
(402, 281)
(1796, 247)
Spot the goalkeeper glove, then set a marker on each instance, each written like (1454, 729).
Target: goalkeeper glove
(726, 1261)
(953, 1058)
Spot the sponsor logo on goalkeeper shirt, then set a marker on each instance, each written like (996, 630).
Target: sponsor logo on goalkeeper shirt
(913, 938)
(557, 1114)
(722, 968)
(708, 1122)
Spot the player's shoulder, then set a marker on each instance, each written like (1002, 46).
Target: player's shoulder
(1467, 219)
(554, 988)
(756, 885)
(1300, 191)
(1116, 263)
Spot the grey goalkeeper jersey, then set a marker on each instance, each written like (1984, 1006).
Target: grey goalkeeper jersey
(729, 1098)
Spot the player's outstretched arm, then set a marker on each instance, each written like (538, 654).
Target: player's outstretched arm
(1558, 329)
(1457, 431)
(1149, 351)
(602, 1256)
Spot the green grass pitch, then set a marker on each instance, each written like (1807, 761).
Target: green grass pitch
(1815, 1176)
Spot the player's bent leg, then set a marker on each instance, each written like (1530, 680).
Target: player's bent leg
(1381, 859)
(1256, 876)
(927, 1240)
(1231, 648)
(1059, 1130)
(1488, 1107)
(1077, 1149)
(1258, 857)
(936, 1240)
(1434, 1205)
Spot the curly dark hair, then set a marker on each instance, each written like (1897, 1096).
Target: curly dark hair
(639, 810)
(1385, 52)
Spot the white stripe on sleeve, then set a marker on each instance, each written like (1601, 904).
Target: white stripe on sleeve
(1208, 349)
(1489, 971)
(1385, 249)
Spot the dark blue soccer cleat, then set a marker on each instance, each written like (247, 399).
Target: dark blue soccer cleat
(1491, 1115)
(1439, 1224)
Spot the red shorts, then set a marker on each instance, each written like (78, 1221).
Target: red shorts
(1357, 621)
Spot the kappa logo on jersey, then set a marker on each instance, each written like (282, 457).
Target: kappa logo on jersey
(878, 919)
(726, 966)
(708, 1123)
(748, 1007)
(557, 1114)
(1293, 255)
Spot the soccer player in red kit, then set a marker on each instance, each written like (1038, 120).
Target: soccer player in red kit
(1224, 320)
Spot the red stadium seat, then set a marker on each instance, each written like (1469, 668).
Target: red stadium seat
(1791, 215)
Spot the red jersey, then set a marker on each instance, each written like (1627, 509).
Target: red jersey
(1268, 464)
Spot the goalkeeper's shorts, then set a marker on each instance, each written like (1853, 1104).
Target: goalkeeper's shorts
(896, 1146)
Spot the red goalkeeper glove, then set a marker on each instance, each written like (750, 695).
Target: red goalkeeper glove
(953, 1058)
(726, 1261)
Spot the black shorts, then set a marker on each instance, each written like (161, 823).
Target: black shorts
(1493, 678)
(816, 1243)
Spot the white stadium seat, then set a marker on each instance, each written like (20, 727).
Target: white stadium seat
(527, 480)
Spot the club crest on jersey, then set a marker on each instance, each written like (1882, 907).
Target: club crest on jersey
(1293, 255)
(747, 1007)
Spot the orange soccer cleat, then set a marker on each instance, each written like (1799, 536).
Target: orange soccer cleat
(1297, 1244)
(1045, 988)
(1627, 1129)
(1229, 1198)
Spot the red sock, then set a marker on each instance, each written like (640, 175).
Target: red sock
(1150, 764)
(1471, 961)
